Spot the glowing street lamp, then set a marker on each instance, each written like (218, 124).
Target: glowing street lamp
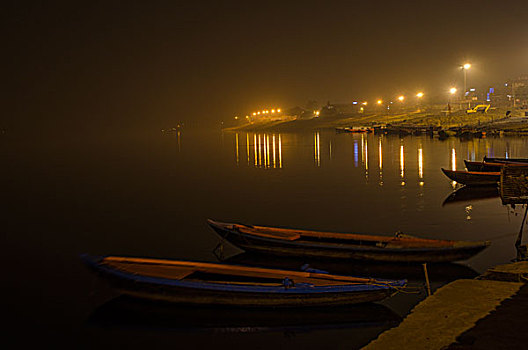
(379, 102)
(278, 110)
(420, 95)
(364, 103)
(254, 113)
(401, 98)
(452, 91)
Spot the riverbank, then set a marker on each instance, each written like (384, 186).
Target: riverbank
(494, 121)
(487, 310)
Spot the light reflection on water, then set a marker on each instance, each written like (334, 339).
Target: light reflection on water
(265, 151)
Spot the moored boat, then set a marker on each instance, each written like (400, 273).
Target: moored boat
(505, 160)
(482, 166)
(296, 242)
(193, 282)
(473, 178)
(354, 129)
(488, 166)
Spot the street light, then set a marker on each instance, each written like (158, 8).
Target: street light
(379, 102)
(420, 95)
(452, 91)
(401, 98)
(465, 67)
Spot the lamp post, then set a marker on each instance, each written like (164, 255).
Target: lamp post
(419, 95)
(465, 67)
(452, 91)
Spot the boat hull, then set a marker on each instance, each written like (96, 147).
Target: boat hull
(201, 297)
(470, 178)
(279, 247)
(181, 292)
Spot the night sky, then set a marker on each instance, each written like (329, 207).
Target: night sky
(121, 65)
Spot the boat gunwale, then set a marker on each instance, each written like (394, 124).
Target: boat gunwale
(466, 172)
(457, 245)
(298, 288)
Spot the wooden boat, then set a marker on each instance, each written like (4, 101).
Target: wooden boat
(483, 166)
(505, 160)
(473, 178)
(295, 242)
(488, 166)
(224, 284)
(354, 129)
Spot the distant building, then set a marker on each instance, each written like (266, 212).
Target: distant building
(329, 110)
(513, 93)
(519, 91)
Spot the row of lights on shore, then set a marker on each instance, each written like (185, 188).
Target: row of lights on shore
(400, 98)
(263, 112)
(267, 111)
(420, 94)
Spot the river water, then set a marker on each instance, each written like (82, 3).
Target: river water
(149, 194)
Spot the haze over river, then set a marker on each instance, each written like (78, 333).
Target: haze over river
(150, 195)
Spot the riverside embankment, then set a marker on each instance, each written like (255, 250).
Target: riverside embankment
(495, 121)
(488, 312)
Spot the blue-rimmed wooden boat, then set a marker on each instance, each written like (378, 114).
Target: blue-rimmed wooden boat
(296, 242)
(193, 282)
(473, 178)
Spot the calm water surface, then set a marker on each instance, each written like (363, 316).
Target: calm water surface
(150, 194)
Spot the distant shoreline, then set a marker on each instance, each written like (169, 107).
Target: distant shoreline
(495, 121)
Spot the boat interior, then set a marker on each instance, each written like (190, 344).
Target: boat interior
(398, 240)
(224, 274)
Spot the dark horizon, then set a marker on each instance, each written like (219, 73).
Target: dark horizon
(113, 65)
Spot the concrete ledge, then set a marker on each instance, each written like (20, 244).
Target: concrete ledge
(515, 272)
(453, 309)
